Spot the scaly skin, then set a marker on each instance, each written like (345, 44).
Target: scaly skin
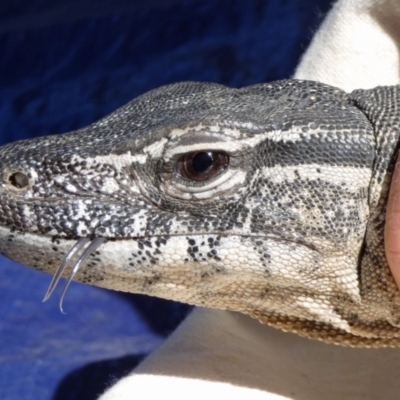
(288, 228)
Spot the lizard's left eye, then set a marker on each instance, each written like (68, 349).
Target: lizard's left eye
(201, 165)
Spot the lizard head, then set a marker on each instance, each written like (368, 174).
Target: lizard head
(255, 200)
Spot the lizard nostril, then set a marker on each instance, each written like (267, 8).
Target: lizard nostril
(19, 180)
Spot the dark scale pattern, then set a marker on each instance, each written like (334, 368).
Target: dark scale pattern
(278, 234)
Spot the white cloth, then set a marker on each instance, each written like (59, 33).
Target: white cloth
(220, 355)
(357, 46)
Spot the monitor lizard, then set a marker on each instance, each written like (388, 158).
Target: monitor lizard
(268, 200)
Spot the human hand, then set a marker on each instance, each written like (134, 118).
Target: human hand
(392, 225)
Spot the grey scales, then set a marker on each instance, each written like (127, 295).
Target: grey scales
(267, 200)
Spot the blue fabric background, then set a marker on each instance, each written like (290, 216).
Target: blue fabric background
(64, 65)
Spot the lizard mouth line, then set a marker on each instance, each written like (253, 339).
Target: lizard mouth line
(274, 237)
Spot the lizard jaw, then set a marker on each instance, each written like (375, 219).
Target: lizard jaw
(207, 270)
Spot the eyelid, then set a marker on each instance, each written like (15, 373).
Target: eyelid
(231, 148)
(167, 166)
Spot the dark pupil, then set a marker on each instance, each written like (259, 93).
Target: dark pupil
(202, 161)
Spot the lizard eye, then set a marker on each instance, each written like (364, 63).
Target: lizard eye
(201, 165)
